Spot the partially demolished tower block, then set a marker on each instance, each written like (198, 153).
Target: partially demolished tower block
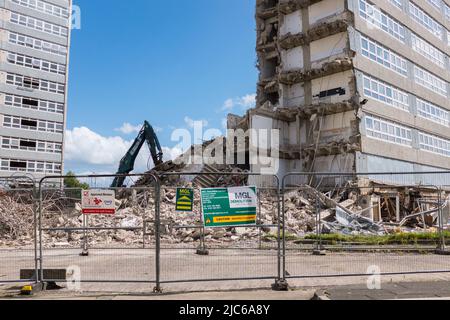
(355, 85)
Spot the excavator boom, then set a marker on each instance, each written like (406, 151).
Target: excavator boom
(147, 134)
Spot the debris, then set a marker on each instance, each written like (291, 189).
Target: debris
(339, 211)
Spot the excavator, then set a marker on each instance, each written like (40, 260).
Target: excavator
(147, 134)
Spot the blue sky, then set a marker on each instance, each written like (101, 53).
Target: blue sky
(161, 61)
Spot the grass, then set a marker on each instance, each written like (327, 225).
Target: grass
(398, 238)
(274, 236)
(391, 239)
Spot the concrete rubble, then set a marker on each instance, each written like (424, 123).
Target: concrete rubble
(16, 219)
(350, 210)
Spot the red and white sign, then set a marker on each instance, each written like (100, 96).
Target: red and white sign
(98, 202)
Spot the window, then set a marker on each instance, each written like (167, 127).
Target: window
(430, 81)
(425, 20)
(447, 11)
(397, 3)
(34, 104)
(434, 144)
(34, 63)
(32, 124)
(379, 19)
(376, 52)
(31, 166)
(435, 4)
(428, 51)
(39, 25)
(41, 45)
(34, 83)
(385, 130)
(432, 112)
(18, 164)
(28, 123)
(385, 93)
(30, 145)
(44, 7)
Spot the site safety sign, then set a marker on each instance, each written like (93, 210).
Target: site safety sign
(185, 200)
(98, 202)
(228, 207)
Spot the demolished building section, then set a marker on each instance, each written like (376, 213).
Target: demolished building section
(351, 87)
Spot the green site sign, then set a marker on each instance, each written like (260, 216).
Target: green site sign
(185, 200)
(228, 207)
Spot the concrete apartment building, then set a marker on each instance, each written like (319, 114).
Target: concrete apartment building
(34, 55)
(355, 85)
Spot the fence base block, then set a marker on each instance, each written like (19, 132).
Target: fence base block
(84, 253)
(31, 289)
(319, 253)
(202, 252)
(157, 289)
(280, 285)
(442, 252)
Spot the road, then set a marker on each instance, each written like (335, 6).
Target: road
(136, 268)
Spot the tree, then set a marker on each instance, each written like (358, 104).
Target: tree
(70, 181)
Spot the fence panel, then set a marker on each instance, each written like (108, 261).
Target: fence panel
(17, 229)
(99, 247)
(355, 225)
(191, 253)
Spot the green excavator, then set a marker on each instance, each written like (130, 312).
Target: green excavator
(147, 134)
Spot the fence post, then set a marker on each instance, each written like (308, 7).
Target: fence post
(35, 196)
(441, 221)
(157, 288)
(318, 251)
(281, 283)
(39, 222)
(85, 249)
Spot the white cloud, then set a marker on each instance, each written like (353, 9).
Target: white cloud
(84, 145)
(191, 122)
(228, 104)
(246, 102)
(87, 150)
(128, 128)
(171, 153)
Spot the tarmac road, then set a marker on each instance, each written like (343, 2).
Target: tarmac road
(136, 268)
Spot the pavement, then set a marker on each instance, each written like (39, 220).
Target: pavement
(255, 295)
(182, 270)
(388, 290)
(433, 290)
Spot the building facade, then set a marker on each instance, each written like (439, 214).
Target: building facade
(34, 56)
(355, 85)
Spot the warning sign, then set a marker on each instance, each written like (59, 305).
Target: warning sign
(227, 207)
(98, 202)
(185, 200)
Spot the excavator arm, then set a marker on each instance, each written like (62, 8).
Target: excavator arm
(147, 134)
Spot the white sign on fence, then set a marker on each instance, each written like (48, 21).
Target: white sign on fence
(98, 202)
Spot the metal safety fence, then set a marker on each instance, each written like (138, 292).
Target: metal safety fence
(363, 224)
(18, 231)
(191, 252)
(97, 247)
(317, 225)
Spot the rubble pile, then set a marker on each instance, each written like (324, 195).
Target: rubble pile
(173, 220)
(16, 220)
(306, 210)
